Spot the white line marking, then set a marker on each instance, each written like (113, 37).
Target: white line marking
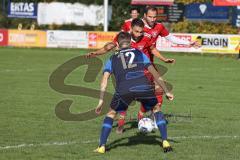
(24, 145)
(205, 137)
(36, 145)
(20, 70)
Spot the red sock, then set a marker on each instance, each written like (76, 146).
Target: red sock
(143, 109)
(140, 116)
(123, 114)
(121, 120)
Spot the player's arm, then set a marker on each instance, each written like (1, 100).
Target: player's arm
(106, 74)
(176, 40)
(107, 47)
(160, 81)
(103, 88)
(156, 53)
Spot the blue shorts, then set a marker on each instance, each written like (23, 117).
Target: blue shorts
(120, 103)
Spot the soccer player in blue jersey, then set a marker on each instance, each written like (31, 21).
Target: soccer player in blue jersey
(127, 65)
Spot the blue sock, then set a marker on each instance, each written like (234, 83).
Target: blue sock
(106, 129)
(161, 123)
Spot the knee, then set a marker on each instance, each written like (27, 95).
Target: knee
(111, 114)
(157, 108)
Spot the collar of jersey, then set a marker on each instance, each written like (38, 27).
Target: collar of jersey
(147, 26)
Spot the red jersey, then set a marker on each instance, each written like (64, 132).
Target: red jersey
(144, 45)
(157, 30)
(126, 27)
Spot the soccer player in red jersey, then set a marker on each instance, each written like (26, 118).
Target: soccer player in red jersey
(156, 29)
(139, 40)
(134, 13)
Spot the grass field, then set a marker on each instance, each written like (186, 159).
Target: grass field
(207, 87)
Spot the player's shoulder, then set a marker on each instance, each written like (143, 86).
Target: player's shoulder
(127, 50)
(133, 50)
(128, 20)
(159, 25)
(147, 36)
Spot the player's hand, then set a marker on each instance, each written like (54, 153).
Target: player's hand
(169, 96)
(99, 107)
(169, 60)
(91, 55)
(195, 44)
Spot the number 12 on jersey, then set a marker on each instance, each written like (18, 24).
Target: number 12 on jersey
(130, 63)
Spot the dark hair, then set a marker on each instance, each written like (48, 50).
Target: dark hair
(124, 38)
(137, 22)
(133, 9)
(150, 8)
(199, 37)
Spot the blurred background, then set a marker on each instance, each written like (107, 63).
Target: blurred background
(208, 22)
(47, 21)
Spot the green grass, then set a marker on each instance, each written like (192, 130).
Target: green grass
(207, 86)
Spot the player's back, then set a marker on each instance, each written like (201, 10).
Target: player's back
(128, 68)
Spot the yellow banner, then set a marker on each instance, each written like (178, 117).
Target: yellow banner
(225, 44)
(97, 40)
(27, 38)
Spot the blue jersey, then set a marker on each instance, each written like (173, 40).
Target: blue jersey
(128, 67)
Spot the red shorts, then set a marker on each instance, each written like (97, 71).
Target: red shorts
(158, 91)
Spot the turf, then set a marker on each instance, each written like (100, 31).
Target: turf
(203, 119)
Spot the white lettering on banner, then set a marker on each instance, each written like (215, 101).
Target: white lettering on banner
(17, 38)
(22, 7)
(1, 37)
(238, 22)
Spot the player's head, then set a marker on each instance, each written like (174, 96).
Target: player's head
(137, 27)
(134, 12)
(150, 15)
(199, 39)
(124, 39)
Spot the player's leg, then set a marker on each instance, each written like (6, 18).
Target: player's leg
(121, 122)
(117, 105)
(141, 112)
(143, 109)
(159, 94)
(162, 126)
(106, 129)
(152, 104)
(126, 99)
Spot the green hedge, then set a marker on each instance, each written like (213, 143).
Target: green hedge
(203, 27)
(120, 13)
